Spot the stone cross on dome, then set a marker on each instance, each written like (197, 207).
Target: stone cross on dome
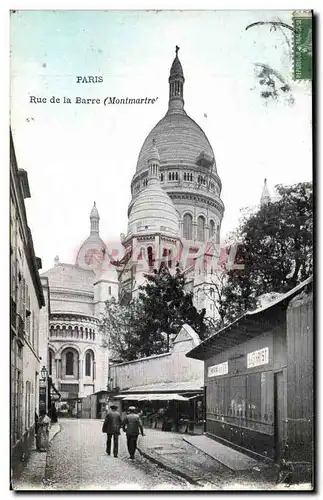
(176, 50)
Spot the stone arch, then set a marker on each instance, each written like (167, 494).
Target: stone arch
(200, 236)
(70, 362)
(89, 363)
(212, 228)
(188, 226)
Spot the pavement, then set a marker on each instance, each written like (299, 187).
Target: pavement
(33, 474)
(208, 464)
(77, 460)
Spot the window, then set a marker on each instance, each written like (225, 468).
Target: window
(69, 363)
(184, 176)
(211, 293)
(188, 227)
(200, 228)
(169, 258)
(161, 177)
(109, 290)
(212, 228)
(88, 364)
(150, 256)
(169, 176)
(176, 176)
(50, 362)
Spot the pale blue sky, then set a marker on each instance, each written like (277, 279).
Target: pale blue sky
(75, 154)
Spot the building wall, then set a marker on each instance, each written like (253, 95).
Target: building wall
(170, 367)
(26, 301)
(44, 325)
(240, 401)
(300, 396)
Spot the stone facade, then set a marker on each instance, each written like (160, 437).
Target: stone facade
(185, 165)
(77, 358)
(163, 370)
(27, 299)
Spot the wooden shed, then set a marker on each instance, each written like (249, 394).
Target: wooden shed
(257, 371)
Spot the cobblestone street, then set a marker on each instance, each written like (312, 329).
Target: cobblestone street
(77, 460)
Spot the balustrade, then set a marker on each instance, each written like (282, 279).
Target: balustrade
(72, 333)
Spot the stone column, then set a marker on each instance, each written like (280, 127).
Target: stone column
(81, 377)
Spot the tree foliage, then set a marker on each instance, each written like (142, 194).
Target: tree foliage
(165, 306)
(148, 324)
(276, 245)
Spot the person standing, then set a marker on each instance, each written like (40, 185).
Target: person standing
(43, 431)
(131, 426)
(111, 426)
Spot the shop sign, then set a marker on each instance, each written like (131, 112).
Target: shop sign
(217, 370)
(258, 358)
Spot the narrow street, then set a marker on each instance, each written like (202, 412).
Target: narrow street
(77, 461)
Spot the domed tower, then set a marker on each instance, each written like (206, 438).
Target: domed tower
(153, 237)
(188, 171)
(92, 252)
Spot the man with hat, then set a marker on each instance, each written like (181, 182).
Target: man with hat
(111, 426)
(131, 426)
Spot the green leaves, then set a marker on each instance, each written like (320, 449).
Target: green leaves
(277, 249)
(148, 325)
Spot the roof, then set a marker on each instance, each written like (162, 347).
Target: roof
(176, 70)
(179, 140)
(153, 211)
(69, 276)
(189, 386)
(248, 326)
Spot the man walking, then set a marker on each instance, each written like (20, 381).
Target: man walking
(111, 426)
(131, 425)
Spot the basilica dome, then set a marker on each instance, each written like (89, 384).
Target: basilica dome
(153, 210)
(92, 250)
(179, 140)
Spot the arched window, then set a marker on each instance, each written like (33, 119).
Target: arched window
(69, 363)
(150, 256)
(184, 176)
(212, 228)
(161, 177)
(109, 290)
(191, 177)
(218, 234)
(200, 228)
(169, 176)
(176, 176)
(169, 258)
(188, 226)
(211, 293)
(88, 364)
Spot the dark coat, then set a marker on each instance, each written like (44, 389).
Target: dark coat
(112, 423)
(132, 424)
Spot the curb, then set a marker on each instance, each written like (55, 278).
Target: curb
(205, 453)
(169, 468)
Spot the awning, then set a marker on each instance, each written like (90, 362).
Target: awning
(163, 397)
(151, 397)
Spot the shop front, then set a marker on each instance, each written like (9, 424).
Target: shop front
(166, 411)
(249, 377)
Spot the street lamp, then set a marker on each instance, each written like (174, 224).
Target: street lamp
(44, 373)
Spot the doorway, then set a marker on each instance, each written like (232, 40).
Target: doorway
(280, 415)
